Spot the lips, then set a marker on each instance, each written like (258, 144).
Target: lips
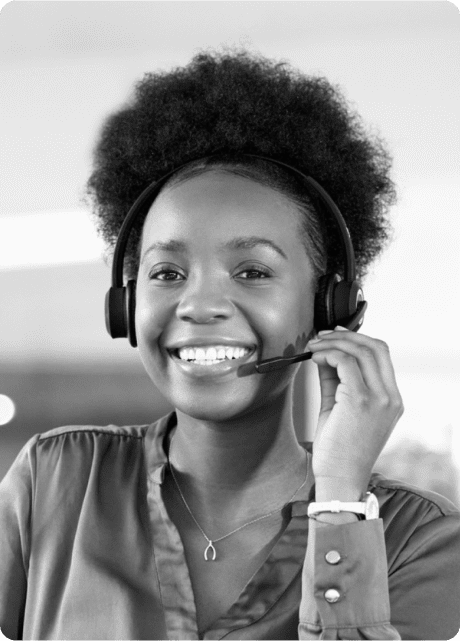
(210, 353)
(209, 341)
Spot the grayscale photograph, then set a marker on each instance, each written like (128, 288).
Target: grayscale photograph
(229, 355)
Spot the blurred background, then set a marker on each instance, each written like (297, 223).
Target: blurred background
(66, 65)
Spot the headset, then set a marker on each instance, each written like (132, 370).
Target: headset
(338, 301)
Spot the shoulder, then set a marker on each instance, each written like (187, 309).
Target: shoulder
(398, 496)
(84, 446)
(81, 460)
(75, 446)
(422, 534)
(95, 431)
(419, 524)
(71, 449)
(81, 446)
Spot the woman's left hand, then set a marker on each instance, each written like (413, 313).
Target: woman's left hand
(360, 406)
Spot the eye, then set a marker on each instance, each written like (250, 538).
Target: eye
(166, 273)
(254, 272)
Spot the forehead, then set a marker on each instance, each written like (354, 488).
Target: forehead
(219, 204)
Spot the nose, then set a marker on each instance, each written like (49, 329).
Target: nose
(204, 303)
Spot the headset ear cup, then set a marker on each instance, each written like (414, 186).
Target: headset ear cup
(346, 297)
(131, 312)
(335, 301)
(115, 315)
(343, 305)
(324, 302)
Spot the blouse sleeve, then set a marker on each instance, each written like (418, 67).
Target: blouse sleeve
(345, 584)
(16, 491)
(348, 592)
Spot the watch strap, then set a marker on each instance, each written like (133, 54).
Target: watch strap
(369, 507)
(337, 506)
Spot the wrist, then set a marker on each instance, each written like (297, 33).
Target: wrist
(329, 489)
(336, 489)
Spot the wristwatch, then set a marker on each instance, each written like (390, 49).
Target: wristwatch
(368, 507)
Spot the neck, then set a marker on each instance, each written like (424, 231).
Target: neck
(255, 457)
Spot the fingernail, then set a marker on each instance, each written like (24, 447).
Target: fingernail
(325, 331)
(341, 329)
(313, 340)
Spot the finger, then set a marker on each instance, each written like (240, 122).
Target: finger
(328, 382)
(365, 357)
(379, 348)
(348, 378)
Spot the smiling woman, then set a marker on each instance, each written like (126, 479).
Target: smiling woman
(223, 274)
(215, 522)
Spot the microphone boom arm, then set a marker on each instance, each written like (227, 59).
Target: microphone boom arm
(278, 362)
(270, 364)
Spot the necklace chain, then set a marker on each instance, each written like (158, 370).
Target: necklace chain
(210, 547)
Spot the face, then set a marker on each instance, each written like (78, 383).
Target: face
(224, 281)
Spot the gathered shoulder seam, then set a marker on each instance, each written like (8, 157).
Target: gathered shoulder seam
(101, 432)
(407, 490)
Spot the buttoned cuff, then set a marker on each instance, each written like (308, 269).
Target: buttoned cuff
(345, 579)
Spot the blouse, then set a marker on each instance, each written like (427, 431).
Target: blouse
(88, 551)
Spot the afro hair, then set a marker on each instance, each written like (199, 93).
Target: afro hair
(239, 102)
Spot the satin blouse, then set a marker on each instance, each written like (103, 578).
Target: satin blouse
(88, 551)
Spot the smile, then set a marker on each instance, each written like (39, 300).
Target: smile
(211, 360)
(212, 354)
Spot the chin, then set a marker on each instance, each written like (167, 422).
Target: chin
(223, 407)
(214, 410)
(223, 398)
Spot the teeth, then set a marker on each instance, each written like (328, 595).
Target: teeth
(211, 355)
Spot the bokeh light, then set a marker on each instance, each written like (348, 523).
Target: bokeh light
(7, 409)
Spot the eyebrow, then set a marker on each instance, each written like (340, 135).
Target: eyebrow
(241, 242)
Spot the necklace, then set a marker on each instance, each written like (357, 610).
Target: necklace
(210, 547)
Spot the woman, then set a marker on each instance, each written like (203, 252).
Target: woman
(206, 524)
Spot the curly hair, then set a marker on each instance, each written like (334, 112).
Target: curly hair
(242, 103)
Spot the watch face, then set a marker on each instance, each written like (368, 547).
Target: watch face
(372, 506)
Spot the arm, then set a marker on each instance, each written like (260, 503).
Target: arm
(15, 515)
(418, 599)
(362, 610)
(360, 405)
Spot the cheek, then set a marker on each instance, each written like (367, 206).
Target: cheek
(305, 317)
(288, 324)
(150, 323)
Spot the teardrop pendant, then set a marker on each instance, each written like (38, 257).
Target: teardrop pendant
(213, 551)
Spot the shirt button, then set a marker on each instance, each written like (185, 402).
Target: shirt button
(332, 595)
(333, 557)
